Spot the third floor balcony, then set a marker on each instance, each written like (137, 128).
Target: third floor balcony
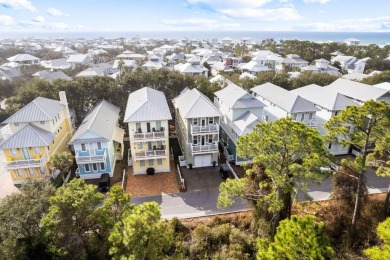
(204, 129)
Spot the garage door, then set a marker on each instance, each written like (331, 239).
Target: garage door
(202, 160)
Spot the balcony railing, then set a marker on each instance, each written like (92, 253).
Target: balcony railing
(310, 122)
(82, 159)
(197, 129)
(149, 136)
(149, 154)
(204, 148)
(20, 164)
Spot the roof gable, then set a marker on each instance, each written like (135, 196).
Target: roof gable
(28, 136)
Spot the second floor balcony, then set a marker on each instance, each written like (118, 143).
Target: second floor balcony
(149, 154)
(310, 122)
(204, 129)
(204, 148)
(21, 164)
(160, 135)
(93, 158)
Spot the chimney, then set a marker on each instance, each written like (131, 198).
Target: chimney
(63, 98)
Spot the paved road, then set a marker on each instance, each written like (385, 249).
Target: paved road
(199, 202)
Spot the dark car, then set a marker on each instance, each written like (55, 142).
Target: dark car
(104, 182)
(224, 171)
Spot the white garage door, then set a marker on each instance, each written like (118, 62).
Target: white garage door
(202, 160)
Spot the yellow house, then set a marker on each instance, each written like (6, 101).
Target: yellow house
(147, 114)
(40, 129)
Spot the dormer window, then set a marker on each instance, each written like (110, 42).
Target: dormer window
(16, 124)
(42, 122)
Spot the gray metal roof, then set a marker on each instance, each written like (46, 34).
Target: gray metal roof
(193, 104)
(101, 121)
(325, 98)
(235, 97)
(40, 109)
(22, 57)
(147, 104)
(245, 123)
(28, 136)
(356, 90)
(286, 100)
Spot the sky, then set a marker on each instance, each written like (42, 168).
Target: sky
(196, 15)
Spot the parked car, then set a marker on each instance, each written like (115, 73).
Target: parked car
(224, 171)
(104, 182)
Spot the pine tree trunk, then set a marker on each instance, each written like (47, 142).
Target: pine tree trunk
(358, 202)
(387, 204)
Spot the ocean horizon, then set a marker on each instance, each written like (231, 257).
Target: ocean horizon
(379, 38)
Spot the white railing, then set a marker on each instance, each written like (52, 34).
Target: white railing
(149, 154)
(229, 157)
(19, 164)
(196, 129)
(81, 159)
(149, 136)
(232, 170)
(204, 148)
(181, 179)
(310, 122)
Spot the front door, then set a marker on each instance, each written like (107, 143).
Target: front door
(91, 149)
(148, 127)
(203, 121)
(26, 154)
(203, 138)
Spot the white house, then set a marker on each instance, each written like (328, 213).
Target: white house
(241, 112)
(282, 103)
(350, 63)
(79, 59)
(322, 66)
(197, 128)
(24, 59)
(330, 104)
(192, 67)
(56, 64)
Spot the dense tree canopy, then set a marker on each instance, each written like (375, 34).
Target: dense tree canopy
(286, 155)
(383, 251)
(297, 238)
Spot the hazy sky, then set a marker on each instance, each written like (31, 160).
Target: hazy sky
(163, 15)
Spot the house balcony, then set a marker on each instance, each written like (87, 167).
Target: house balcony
(149, 136)
(206, 148)
(21, 164)
(83, 159)
(310, 122)
(206, 129)
(150, 154)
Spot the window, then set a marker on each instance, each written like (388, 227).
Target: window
(195, 121)
(151, 162)
(58, 116)
(330, 145)
(211, 120)
(99, 145)
(16, 124)
(139, 145)
(42, 122)
(102, 166)
(302, 116)
(159, 161)
(86, 167)
(83, 147)
(310, 116)
(94, 167)
(210, 139)
(138, 127)
(37, 150)
(159, 144)
(195, 141)
(20, 173)
(142, 163)
(42, 170)
(336, 112)
(14, 152)
(31, 172)
(48, 147)
(52, 121)
(158, 125)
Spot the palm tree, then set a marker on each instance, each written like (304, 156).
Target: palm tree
(60, 161)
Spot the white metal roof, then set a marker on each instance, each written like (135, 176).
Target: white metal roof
(357, 90)
(22, 57)
(245, 123)
(325, 98)
(147, 104)
(235, 97)
(193, 104)
(286, 100)
(28, 136)
(40, 109)
(101, 121)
